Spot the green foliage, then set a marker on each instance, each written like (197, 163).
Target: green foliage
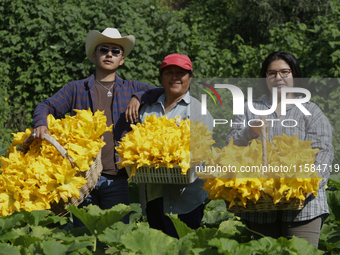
(215, 212)
(139, 241)
(97, 220)
(36, 233)
(42, 45)
(227, 240)
(41, 232)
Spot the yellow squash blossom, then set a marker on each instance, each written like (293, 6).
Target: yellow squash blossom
(33, 180)
(238, 188)
(161, 141)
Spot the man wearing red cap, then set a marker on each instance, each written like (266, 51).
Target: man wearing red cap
(104, 90)
(187, 201)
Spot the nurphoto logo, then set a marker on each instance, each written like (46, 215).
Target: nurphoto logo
(238, 103)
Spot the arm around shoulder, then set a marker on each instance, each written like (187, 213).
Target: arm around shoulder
(147, 93)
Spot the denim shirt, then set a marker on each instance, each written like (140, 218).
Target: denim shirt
(177, 198)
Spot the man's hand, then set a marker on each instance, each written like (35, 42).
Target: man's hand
(131, 113)
(40, 132)
(308, 195)
(256, 126)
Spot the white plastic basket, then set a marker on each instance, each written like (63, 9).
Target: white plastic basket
(164, 175)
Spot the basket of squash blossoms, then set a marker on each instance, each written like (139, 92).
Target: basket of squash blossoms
(263, 191)
(59, 170)
(158, 150)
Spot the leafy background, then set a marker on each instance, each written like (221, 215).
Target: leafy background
(42, 45)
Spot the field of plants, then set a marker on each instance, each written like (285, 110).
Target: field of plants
(41, 232)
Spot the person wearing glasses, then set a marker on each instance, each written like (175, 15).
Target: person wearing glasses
(104, 90)
(278, 71)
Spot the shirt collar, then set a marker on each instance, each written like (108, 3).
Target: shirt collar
(185, 99)
(118, 81)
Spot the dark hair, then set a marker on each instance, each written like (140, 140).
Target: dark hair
(285, 56)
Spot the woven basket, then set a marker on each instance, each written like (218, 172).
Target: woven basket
(162, 175)
(92, 176)
(265, 202)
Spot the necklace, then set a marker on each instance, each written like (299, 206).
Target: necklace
(109, 93)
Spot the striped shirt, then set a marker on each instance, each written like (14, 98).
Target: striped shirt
(81, 95)
(315, 128)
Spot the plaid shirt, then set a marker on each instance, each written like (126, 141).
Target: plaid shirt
(315, 128)
(81, 95)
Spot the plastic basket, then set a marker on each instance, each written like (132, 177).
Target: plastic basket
(92, 176)
(146, 174)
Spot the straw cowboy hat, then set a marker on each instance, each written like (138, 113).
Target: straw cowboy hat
(109, 35)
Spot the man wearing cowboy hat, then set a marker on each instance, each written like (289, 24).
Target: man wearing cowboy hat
(103, 90)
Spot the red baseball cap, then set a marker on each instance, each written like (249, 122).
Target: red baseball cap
(177, 60)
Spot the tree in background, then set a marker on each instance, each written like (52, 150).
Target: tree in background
(42, 45)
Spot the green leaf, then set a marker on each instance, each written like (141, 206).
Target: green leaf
(150, 241)
(228, 246)
(136, 215)
(7, 249)
(266, 245)
(206, 251)
(39, 232)
(302, 246)
(78, 232)
(302, 26)
(97, 220)
(333, 199)
(112, 235)
(9, 236)
(39, 218)
(181, 228)
(26, 240)
(36, 248)
(54, 248)
(232, 228)
(78, 245)
(334, 183)
(186, 244)
(203, 236)
(9, 222)
(330, 236)
(215, 212)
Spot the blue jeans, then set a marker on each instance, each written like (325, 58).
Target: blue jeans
(109, 191)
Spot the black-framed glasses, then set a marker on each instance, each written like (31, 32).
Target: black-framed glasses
(284, 73)
(105, 50)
